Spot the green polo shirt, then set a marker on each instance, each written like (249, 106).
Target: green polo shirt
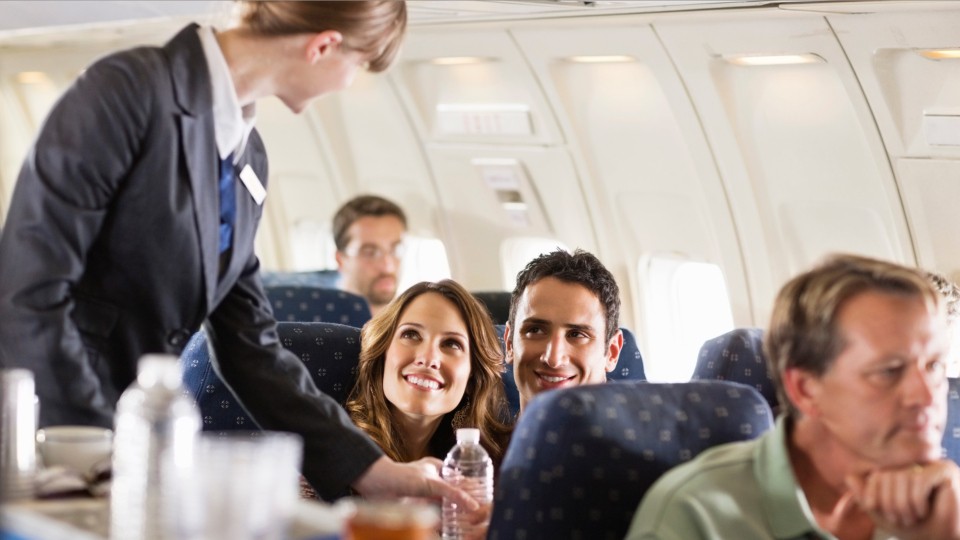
(742, 491)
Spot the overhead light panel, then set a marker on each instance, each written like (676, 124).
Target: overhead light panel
(33, 77)
(772, 59)
(940, 54)
(600, 59)
(460, 60)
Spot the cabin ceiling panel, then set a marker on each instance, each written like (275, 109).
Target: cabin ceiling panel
(472, 86)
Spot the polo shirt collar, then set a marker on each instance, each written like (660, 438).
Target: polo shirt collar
(785, 506)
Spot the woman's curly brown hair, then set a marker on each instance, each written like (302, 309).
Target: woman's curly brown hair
(484, 404)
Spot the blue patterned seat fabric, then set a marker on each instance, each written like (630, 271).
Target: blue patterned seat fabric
(327, 279)
(737, 356)
(582, 458)
(629, 367)
(330, 353)
(497, 304)
(951, 432)
(304, 303)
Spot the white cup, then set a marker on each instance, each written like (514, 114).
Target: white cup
(78, 448)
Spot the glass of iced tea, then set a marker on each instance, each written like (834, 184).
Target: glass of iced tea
(395, 519)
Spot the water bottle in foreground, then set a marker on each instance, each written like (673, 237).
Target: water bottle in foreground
(468, 467)
(157, 426)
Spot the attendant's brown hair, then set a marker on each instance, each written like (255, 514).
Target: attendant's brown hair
(374, 27)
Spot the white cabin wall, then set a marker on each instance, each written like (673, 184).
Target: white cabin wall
(796, 145)
(904, 90)
(379, 152)
(305, 188)
(648, 172)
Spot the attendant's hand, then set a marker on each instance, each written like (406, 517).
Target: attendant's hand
(421, 478)
(915, 502)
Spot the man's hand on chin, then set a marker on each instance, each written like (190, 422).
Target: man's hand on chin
(913, 502)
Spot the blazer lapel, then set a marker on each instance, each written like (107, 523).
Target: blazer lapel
(192, 90)
(202, 168)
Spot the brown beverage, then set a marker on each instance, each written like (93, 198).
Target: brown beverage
(393, 520)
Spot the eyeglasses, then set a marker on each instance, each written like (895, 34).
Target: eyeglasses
(369, 252)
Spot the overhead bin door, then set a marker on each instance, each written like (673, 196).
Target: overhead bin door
(909, 66)
(647, 170)
(795, 142)
(498, 160)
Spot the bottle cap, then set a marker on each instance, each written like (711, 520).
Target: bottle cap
(158, 369)
(468, 435)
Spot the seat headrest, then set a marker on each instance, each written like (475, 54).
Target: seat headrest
(737, 356)
(330, 353)
(315, 304)
(581, 458)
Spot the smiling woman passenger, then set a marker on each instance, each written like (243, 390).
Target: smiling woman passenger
(430, 363)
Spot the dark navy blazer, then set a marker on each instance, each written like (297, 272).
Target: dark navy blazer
(110, 251)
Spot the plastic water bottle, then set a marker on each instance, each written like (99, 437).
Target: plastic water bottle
(469, 468)
(157, 428)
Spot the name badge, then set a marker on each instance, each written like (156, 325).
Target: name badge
(253, 185)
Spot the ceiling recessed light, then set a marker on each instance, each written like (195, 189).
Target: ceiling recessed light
(772, 59)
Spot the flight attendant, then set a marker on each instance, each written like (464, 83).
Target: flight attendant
(133, 219)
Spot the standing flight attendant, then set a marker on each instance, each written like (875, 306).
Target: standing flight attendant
(133, 219)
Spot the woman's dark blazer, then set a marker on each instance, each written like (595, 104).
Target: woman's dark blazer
(110, 251)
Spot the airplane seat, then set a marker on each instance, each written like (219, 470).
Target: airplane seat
(329, 351)
(316, 304)
(951, 431)
(629, 367)
(738, 356)
(497, 304)
(582, 458)
(327, 279)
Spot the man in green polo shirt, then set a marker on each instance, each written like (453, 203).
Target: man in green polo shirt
(857, 348)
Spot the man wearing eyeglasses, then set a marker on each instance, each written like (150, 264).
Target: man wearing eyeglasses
(368, 232)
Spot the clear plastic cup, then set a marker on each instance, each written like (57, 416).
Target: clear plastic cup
(245, 485)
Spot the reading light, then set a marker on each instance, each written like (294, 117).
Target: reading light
(459, 60)
(514, 206)
(940, 54)
(600, 59)
(32, 77)
(772, 59)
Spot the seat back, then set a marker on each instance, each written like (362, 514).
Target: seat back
(629, 367)
(582, 458)
(738, 356)
(330, 352)
(304, 303)
(327, 279)
(951, 432)
(497, 304)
